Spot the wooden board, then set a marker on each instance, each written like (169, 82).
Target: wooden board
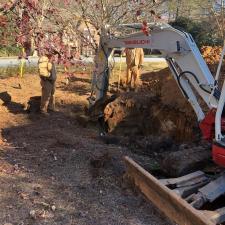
(173, 206)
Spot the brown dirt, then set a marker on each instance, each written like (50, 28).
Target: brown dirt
(157, 121)
(158, 108)
(55, 170)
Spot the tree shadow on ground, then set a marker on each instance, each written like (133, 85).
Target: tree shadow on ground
(15, 108)
(12, 107)
(76, 87)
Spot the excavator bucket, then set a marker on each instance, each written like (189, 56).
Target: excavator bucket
(169, 201)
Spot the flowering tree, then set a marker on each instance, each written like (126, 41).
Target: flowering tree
(37, 21)
(46, 23)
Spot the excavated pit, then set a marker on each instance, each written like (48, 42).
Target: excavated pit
(159, 122)
(158, 108)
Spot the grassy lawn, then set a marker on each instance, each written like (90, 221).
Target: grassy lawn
(119, 69)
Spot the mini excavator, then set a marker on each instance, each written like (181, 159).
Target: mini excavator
(196, 83)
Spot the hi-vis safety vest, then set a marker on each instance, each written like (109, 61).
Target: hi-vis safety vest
(44, 66)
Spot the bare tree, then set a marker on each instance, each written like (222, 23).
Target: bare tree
(48, 22)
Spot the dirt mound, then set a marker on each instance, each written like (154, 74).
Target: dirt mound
(158, 108)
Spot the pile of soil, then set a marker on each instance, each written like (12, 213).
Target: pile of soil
(157, 121)
(158, 108)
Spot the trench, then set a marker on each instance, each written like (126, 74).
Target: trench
(130, 115)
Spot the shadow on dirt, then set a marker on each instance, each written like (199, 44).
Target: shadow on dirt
(80, 79)
(13, 107)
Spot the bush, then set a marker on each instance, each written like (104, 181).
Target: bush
(202, 32)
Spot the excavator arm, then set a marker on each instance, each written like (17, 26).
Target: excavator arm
(185, 62)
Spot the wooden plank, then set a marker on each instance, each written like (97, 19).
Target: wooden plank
(168, 202)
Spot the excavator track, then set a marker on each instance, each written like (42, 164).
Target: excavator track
(168, 201)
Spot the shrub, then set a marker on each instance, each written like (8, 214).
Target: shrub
(201, 31)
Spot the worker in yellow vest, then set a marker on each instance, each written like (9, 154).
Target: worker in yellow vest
(134, 61)
(47, 73)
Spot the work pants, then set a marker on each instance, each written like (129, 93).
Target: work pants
(133, 77)
(48, 95)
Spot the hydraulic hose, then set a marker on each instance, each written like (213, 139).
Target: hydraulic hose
(195, 77)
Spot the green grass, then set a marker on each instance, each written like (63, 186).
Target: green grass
(148, 67)
(15, 70)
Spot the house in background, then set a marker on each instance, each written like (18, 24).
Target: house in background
(81, 39)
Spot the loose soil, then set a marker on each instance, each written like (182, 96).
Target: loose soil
(56, 169)
(157, 108)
